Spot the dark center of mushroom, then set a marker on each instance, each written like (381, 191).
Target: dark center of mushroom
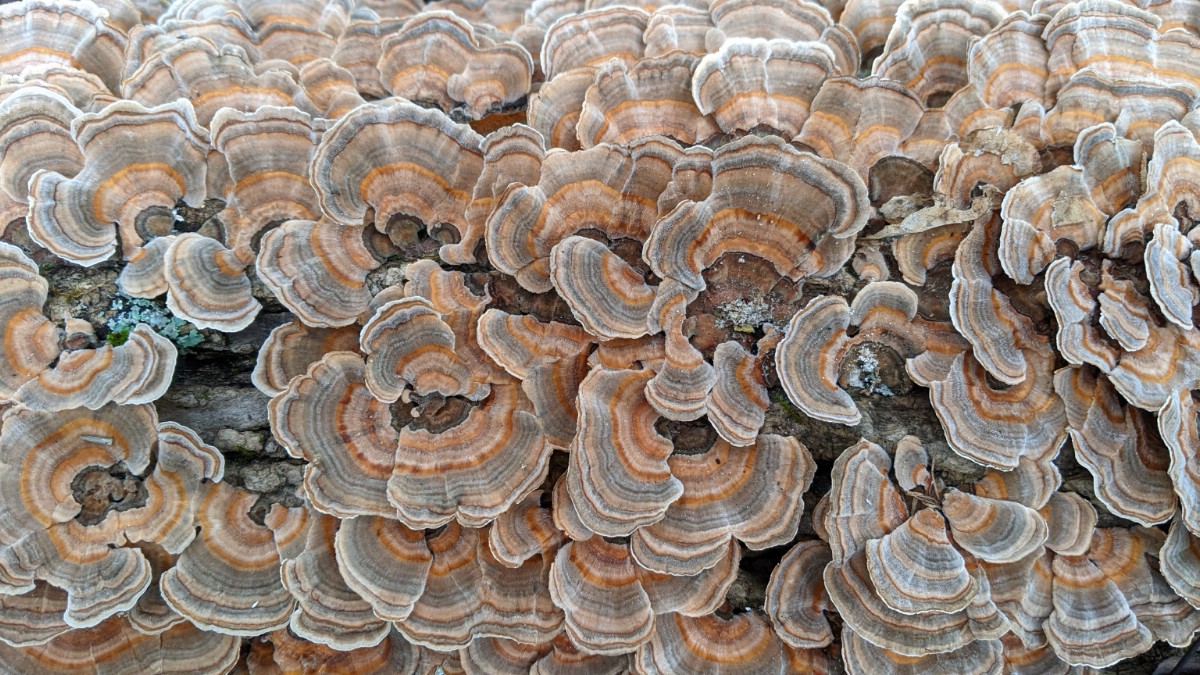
(688, 438)
(432, 412)
(893, 177)
(155, 221)
(744, 293)
(415, 240)
(101, 489)
(874, 369)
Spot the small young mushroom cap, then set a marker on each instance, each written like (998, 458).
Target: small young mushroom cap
(916, 569)
(977, 658)
(1125, 313)
(292, 347)
(1031, 483)
(184, 463)
(328, 611)
(228, 579)
(393, 656)
(611, 189)
(737, 405)
(811, 234)
(511, 155)
(795, 599)
(144, 274)
(753, 495)
(870, 22)
(619, 478)
(138, 371)
(650, 97)
(318, 270)
(211, 77)
(608, 297)
(347, 474)
(554, 109)
(473, 471)
(680, 388)
(997, 427)
(1041, 211)
(1008, 66)
(1092, 623)
(1117, 444)
(754, 83)
(993, 530)
(207, 284)
(115, 646)
(808, 360)
(266, 154)
(744, 643)
(360, 44)
(30, 340)
(384, 562)
(928, 45)
(438, 57)
(409, 345)
(330, 88)
(469, 595)
(860, 122)
(396, 158)
(1071, 520)
(589, 39)
(35, 134)
(851, 591)
(1078, 340)
(864, 503)
(1179, 560)
(42, 32)
(519, 343)
(1171, 282)
(610, 601)
(911, 464)
(525, 530)
(133, 184)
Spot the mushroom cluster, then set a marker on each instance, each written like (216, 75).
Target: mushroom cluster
(573, 302)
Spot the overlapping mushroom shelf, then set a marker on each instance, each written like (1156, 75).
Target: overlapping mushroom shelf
(725, 336)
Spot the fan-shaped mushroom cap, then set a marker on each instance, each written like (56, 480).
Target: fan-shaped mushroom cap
(138, 371)
(860, 122)
(998, 427)
(202, 587)
(753, 494)
(1077, 339)
(650, 97)
(1179, 424)
(393, 656)
(426, 169)
(1179, 560)
(116, 646)
(292, 347)
(1125, 313)
(916, 569)
(814, 238)
(607, 188)
(565, 657)
(737, 405)
(1116, 444)
(863, 504)
(267, 154)
(520, 343)
(133, 184)
(608, 297)
(211, 77)
(1136, 109)
(347, 474)
(862, 658)
(928, 45)
(619, 478)
(76, 35)
(360, 45)
(589, 39)
(1008, 66)
(438, 57)
(1169, 184)
(753, 83)
(318, 270)
(384, 562)
(525, 530)
(780, 20)
(409, 345)
(677, 28)
(473, 471)
(680, 388)
(511, 155)
(1092, 623)
(469, 594)
(1171, 282)
(993, 530)
(33, 618)
(1040, 211)
(501, 656)
(207, 284)
(328, 611)
(35, 134)
(610, 602)
(330, 87)
(796, 599)
(743, 643)
(1030, 483)
(911, 464)
(555, 108)
(30, 341)
(1071, 520)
